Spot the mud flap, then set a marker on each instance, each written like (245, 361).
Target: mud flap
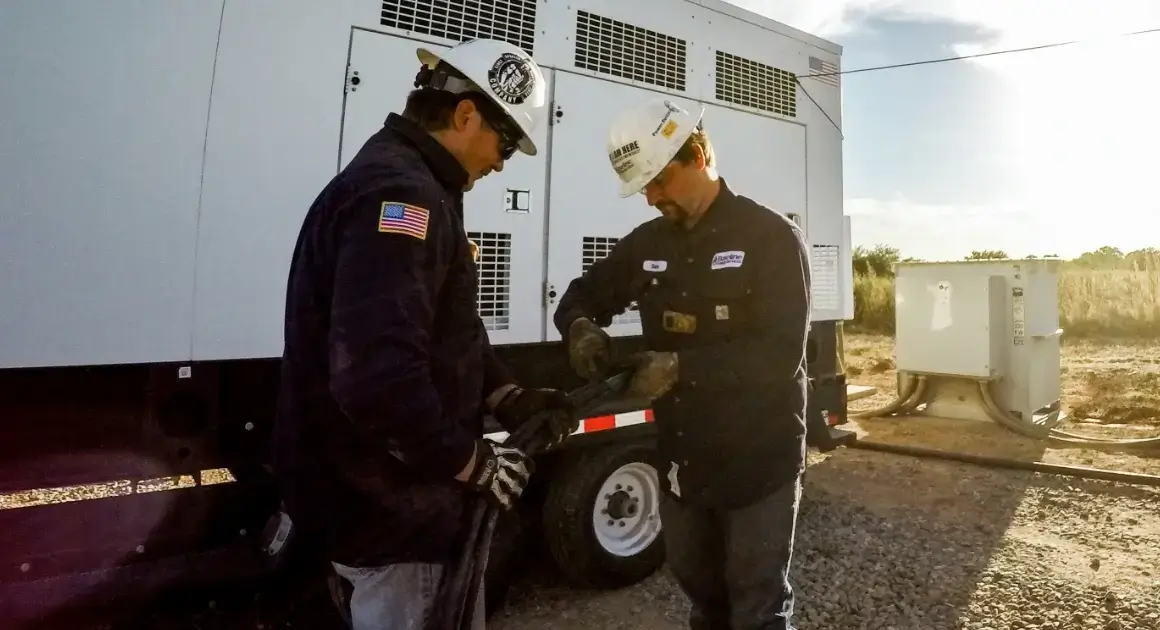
(825, 409)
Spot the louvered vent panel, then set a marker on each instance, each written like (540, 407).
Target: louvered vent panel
(494, 266)
(754, 84)
(622, 50)
(595, 248)
(513, 21)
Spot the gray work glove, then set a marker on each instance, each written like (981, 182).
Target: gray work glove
(501, 472)
(654, 374)
(589, 349)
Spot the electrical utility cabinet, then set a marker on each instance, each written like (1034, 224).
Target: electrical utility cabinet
(993, 320)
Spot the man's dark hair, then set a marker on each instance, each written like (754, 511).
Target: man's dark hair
(432, 109)
(687, 153)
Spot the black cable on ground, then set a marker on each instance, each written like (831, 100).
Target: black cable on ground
(1014, 464)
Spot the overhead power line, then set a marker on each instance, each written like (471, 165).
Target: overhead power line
(1005, 51)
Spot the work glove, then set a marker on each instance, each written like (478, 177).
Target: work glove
(589, 349)
(654, 374)
(501, 473)
(550, 409)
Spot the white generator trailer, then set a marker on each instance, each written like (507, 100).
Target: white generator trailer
(156, 160)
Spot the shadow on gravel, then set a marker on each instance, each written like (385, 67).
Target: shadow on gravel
(884, 542)
(891, 541)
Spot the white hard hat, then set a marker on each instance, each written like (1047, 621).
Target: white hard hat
(644, 139)
(503, 72)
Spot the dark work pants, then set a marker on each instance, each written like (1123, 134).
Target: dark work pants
(734, 565)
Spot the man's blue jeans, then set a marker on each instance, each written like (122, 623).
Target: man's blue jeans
(397, 596)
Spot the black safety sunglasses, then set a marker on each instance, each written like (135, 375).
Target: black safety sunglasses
(507, 130)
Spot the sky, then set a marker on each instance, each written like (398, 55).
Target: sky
(1033, 153)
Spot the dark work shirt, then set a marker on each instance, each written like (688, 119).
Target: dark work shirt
(735, 290)
(386, 362)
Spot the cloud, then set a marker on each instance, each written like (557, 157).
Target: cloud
(1020, 21)
(1076, 125)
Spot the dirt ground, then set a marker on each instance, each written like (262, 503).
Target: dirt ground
(1108, 390)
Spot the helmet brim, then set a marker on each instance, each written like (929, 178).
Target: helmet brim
(427, 58)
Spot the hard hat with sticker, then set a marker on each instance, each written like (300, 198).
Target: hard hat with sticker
(644, 139)
(501, 71)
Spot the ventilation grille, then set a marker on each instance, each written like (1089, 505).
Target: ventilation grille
(494, 269)
(824, 262)
(753, 84)
(827, 72)
(512, 21)
(595, 248)
(630, 52)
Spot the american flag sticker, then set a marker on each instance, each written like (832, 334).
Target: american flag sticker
(400, 218)
(823, 71)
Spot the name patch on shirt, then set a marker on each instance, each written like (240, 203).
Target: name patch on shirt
(656, 265)
(401, 218)
(723, 260)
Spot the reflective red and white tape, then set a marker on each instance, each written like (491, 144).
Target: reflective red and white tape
(597, 423)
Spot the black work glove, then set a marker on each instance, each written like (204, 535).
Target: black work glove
(501, 472)
(548, 408)
(654, 374)
(589, 349)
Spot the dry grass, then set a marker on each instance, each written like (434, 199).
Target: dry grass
(1119, 304)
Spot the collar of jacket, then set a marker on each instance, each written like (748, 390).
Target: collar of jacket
(443, 165)
(713, 213)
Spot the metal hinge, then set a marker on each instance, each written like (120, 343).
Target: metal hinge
(557, 114)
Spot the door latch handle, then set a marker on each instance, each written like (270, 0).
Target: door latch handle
(518, 200)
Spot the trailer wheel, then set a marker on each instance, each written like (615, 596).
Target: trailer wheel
(601, 516)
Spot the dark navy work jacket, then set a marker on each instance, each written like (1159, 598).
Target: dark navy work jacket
(731, 297)
(386, 362)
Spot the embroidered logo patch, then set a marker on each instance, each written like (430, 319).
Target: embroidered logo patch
(722, 260)
(656, 265)
(400, 218)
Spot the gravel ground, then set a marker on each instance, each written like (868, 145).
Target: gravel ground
(885, 542)
(890, 542)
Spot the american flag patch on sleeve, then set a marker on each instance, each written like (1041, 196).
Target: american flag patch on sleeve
(400, 218)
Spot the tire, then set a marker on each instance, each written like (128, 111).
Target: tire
(590, 483)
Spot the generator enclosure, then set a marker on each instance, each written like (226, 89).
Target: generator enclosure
(156, 159)
(990, 320)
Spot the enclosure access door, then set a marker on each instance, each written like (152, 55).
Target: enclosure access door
(504, 213)
(588, 216)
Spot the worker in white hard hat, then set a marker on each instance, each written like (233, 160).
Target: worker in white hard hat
(387, 372)
(722, 283)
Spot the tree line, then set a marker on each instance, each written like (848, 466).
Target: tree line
(879, 260)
